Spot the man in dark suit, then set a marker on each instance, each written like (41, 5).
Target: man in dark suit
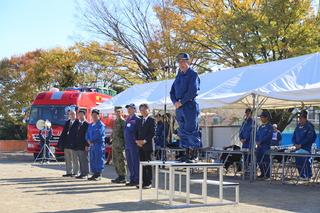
(144, 139)
(67, 141)
(82, 146)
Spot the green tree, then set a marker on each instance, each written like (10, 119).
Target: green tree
(242, 32)
(17, 90)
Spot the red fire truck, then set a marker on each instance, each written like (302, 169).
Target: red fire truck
(54, 105)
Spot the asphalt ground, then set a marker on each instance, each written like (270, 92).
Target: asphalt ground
(28, 187)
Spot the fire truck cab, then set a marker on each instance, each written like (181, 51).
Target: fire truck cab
(54, 105)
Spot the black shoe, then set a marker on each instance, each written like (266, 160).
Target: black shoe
(67, 175)
(132, 184)
(185, 159)
(145, 186)
(95, 177)
(115, 180)
(119, 179)
(81, 176)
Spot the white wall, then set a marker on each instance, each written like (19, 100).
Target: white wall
(220, 136)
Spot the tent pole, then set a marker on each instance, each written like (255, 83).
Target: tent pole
(255, 109)
(207, 128)
(165, 119)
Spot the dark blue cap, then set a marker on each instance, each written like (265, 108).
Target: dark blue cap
(303, 113)
(265, 114)
(183, 56)
(248, 110)
(95, 111)
(131, 105)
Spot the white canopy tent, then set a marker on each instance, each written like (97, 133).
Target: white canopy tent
(284, 83)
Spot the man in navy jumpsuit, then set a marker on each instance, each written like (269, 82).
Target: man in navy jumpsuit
(95, 136)
(245, 135)
(161, 136)
(303, 137)
(131, 148)
(246, 129)
(263, 140)
(183, 92)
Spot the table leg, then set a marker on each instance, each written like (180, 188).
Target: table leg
(173, 183)
(282, 175)
(140, 181)
(171, 186)
(165, 181)
(188, 186)
(221, 183)
(180, 183)
(204, 184)
(157, 182)
(270, 167)
(243, 167)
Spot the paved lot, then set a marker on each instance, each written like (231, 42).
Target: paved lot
(40, 188)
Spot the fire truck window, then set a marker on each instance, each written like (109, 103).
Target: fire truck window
(55, 114)
(33, 115)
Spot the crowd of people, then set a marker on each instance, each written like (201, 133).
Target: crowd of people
(134, 137)
(268, 135)
(83, 144)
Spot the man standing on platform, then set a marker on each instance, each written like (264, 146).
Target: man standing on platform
(67, 142)
(82, 146)
(117, 140)
(144, 139)
(303, 137)
(96, 136)
(183, 92)
(131, 148)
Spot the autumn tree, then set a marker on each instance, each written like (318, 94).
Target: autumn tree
(22, 77)
(56, 68)
(17, 89)
(239, 33)
(99, 66)
(242, 32)
(143, 33)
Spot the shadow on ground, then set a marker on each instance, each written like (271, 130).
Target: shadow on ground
(259, 193)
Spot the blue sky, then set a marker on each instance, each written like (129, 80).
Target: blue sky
(26, 25)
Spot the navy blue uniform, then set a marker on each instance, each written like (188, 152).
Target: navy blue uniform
(161, 138)
(96, 134)
(131, 148)
(185, 89)
(263, 139)
(161, 135)
(245, 133)
(305, 136)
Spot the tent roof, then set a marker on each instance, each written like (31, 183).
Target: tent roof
(281, 84)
